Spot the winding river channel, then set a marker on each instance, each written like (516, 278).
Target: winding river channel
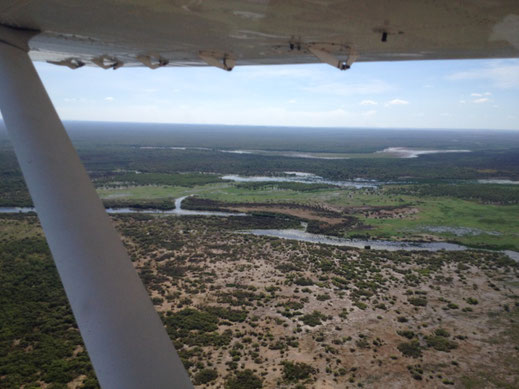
(124, 210)
(292, 234)
(388, 245)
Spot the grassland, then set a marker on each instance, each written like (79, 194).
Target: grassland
(408, 217)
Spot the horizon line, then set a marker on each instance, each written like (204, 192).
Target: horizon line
(463, 129)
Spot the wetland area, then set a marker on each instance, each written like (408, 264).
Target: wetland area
(328, 264)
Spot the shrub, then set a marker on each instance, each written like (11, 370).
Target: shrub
(442, 332)
(362, 343)
(360, 305)
(418, 301)
(323, 297)
(294, 372)
(193, 319)
(244, 379)
(312, 319)
(301, 281)
(406, 334)
(157, 300)
(410, 349)
(227, 313)
(204, 376)
(440, 343)
(294, 305)
(416, 372)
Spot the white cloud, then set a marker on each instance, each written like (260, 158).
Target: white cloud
(462, 101)
(481, 100)
(501, 74)
(397, 102)
(109, 98)
(369, 113)
(476, 94)
(368, 102)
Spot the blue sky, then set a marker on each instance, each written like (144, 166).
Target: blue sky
(472, 94)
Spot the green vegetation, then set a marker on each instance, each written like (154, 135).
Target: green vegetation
(410, 349)
(484, 193)
(302, 281)
(416, 372)
(39, 339)
(418, 301)
(313, 319)
(192, 319)
(245, 379)
(205, 376)
(162, 179)
(296, 371)
(291, 186)
(439, 341)
(407, 334)
(489, 225)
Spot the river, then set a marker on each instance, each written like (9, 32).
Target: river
(304, 178)
(304, 236)
(292, 234)
(177, 211)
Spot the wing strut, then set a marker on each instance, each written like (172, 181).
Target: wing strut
(123, 334)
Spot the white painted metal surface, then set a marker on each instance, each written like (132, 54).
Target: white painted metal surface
(264, 31)
(123, 334)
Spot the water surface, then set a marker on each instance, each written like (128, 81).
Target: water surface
(126, 210)
(405, 152)
(304, 178)
(304, 236)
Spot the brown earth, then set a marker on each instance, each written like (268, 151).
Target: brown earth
(378, 290)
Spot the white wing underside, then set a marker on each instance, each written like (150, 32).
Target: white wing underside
(154, 33)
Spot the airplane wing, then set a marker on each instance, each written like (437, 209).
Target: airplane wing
(124, 336)
(155, 33)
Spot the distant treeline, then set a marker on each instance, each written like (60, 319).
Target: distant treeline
(295, 186)
(173, 179)
(344, 140)
(129, 164)
(482, 164)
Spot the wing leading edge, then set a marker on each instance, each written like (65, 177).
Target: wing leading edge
(156, 33)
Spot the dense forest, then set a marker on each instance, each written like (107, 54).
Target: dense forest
(113, 153)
